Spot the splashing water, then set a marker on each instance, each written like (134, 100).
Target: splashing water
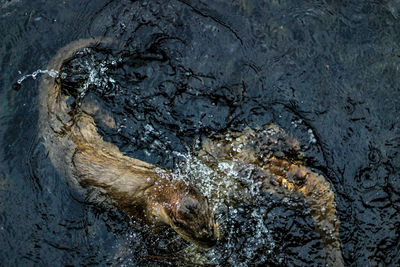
(34, 74)
(94, 71)
(231, 192)
(236, 170)
(235, 196)
(219, 191)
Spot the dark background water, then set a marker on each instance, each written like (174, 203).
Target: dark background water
(323, 69)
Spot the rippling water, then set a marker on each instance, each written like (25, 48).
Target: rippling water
(326, 72)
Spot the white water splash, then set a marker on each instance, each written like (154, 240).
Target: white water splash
(226, 185)
(34, 74)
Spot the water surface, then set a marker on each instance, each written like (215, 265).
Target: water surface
(326, 72)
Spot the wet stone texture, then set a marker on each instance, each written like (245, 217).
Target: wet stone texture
(181, 71)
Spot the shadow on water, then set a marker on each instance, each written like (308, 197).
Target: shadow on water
(326, 72)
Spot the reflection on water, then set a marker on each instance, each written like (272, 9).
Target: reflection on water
(325, 72)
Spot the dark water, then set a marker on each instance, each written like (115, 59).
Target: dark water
(325, 71)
